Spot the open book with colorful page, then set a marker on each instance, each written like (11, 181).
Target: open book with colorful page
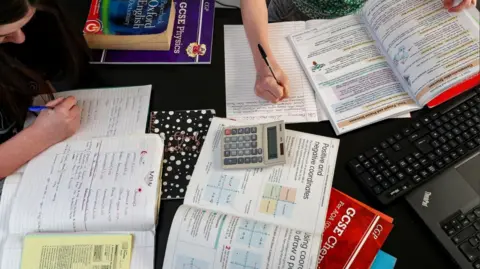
(265, 218)
(105, 179)
(394, 57)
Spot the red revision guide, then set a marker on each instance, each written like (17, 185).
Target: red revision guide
(353, 235)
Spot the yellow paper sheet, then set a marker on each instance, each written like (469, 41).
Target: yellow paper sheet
(82, 251)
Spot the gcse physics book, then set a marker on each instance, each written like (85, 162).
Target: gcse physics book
(270, 218)
(191, 41)
(354, 234)
(130, 25)
(104, 179)
(394, 57)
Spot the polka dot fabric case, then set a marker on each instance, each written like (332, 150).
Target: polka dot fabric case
(184, 133)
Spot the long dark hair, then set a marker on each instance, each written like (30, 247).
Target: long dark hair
(53, 50)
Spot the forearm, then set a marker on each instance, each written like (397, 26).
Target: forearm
(255, 21)
(19, 150)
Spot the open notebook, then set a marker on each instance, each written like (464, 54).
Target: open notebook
(243, 104)
(102, 180)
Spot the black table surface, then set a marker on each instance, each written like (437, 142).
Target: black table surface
(177, 87)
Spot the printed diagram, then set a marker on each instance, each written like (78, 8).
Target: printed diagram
(278, 200)
(401, 56)
(184, 262)
(221, 191)
(316, 66)
(407, 79)
(244, 259)
(252, 233)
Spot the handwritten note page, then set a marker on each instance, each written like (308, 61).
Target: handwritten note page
(240, 74)
(9, 191)
(92, 185)
(111, 111)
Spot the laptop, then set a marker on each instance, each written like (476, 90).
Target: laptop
(450, 206)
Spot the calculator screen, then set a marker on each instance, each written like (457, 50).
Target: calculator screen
(272, 143)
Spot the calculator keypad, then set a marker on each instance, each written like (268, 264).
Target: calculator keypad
(240, 146)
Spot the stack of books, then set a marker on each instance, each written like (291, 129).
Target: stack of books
(150, 31)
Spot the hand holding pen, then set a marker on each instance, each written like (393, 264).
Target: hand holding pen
(272, 83)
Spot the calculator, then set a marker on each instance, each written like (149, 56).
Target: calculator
(253, 146)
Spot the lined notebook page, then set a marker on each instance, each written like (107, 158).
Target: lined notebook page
(9, 191)
(90, 185)
(110, 111)
(240, 74)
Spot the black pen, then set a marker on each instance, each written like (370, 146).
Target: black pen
(264, 56)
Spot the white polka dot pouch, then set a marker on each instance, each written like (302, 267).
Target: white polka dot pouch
(184, 133)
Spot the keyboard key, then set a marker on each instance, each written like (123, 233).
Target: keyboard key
(384, 145)
(460, 151)
(465, 222)
(449, 135)
(234, 131)
(416, 166)
(409, 171)
(247, 130)
(434, 115)
(431, 126)
(417, 155)
(451, 232)
(228, 132)
(423, 145)
(247, 138)
(416, 125)
(227, 146)
(381, 167)
(452, 143)
(407, 131)
(248, 160)
(254, 152)
(446, 148)
(361, 158)
(240, 145)
(368, 179)
(471, 217)
(432, 156)
(241, 160)
(439, 152)
(444, 118)
(241, 153)
(423, 161)
(377, 189)
(234, 139)
(391, 140)
(416, 178)
(476, 225)
(473, 131)
(435, 144)
(385, 184)
(435, 135)
(451, 115)
(241, 130)
(425, 120)
(379, 178)
(226, 153)
(447, 159)
(381, 156)
(386, 173)
(459, 139)
(253, 137)
(454, 155)
(457, 111)
(260, 159)
(254, 159)
(476, 265)
(462, 127)
(439, 163)
(392, 180)
(470, 252)
(400, 176)
(431, 169)
(233, 153)
(456, 131)
(438, 123)
(441, 130)
(394, 168)
(473, 241)
(398, 136)
(253, 144)
(260, 151)
(402, 163)
(464, 107)
(470, 123)
(413, 137)
(424, 173)
(374, 160)
(410, 159)
(367, 164)
(471, 145)
(476, 211)
(448, 126)
(461, 217)
(396, 147)
(442, 140)
(466, 136)
(253, 130)
(234, 146)
(387, 162)
(468, 232)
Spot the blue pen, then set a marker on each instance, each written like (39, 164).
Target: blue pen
(38, 108)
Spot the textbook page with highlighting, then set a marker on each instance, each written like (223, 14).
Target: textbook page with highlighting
(429, 48)
(108, 112)
(206, 239)
(392, 58)
(280, 194)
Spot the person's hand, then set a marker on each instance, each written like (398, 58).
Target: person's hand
(462, 5)
(267, 87)
(61, 122)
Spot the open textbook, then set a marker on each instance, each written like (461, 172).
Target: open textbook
(104, 180)
(242, 103)
(270, 218)
(391, 58)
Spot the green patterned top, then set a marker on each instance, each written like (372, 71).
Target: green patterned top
(328, 9)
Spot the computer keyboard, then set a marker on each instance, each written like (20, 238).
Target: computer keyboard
(464, 230)
(418, 152)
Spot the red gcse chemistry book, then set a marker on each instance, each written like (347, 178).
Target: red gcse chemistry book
(354, 233)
